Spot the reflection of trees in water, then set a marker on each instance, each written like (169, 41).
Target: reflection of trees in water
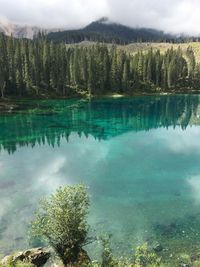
(102, 119)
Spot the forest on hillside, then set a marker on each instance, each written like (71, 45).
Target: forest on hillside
(106, 31)
(40, 67)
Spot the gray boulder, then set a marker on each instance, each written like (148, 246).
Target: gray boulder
(36, 256)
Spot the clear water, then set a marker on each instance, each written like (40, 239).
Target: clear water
(139, 157)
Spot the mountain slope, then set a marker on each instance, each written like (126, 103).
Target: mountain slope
(105, 31)
(102, 30)
(22, 31)
(18, 31)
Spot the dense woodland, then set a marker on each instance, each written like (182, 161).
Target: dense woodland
(41, 67)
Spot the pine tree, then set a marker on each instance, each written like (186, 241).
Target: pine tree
(91, 78)
(3, 65)
(34, 67)
(126, 75)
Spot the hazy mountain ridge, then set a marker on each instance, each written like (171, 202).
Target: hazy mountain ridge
(102, 30)
(22, 31)
(18, 31)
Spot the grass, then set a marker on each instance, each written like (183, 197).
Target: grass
(163, 47)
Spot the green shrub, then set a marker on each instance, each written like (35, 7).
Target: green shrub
(61, 221)
(10, 263)
(107, 255)
(23, 264)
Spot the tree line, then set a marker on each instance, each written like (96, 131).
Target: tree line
(40, 67)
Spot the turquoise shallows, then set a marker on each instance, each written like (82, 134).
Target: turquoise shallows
(139, 157)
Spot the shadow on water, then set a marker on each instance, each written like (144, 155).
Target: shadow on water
(50, 120)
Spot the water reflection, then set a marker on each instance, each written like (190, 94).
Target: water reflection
(143, 176)
(48, 121)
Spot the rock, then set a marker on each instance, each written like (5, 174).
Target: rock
(39, 256)
(157, 247)
(36, 256)
(18, 257)
(195, 257)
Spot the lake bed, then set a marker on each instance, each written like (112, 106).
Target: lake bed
(138, 156)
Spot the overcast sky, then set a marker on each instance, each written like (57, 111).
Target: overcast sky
(177, 16)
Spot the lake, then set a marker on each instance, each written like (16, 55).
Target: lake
(139, 157)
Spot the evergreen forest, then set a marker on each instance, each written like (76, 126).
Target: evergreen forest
(42, 68)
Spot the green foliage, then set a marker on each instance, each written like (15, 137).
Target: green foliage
(42, 68)
(23, 264)
(107, 255)
(196, 263)
(61, 221)
(145, 257)
(10, 263)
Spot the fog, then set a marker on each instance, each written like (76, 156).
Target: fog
(177, 16)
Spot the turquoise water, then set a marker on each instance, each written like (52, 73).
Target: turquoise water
(139, 157)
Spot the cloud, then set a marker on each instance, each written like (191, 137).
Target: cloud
(176, 16)
(181, 142)
(52, 13)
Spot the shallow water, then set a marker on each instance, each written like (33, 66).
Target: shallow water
(139, 157)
